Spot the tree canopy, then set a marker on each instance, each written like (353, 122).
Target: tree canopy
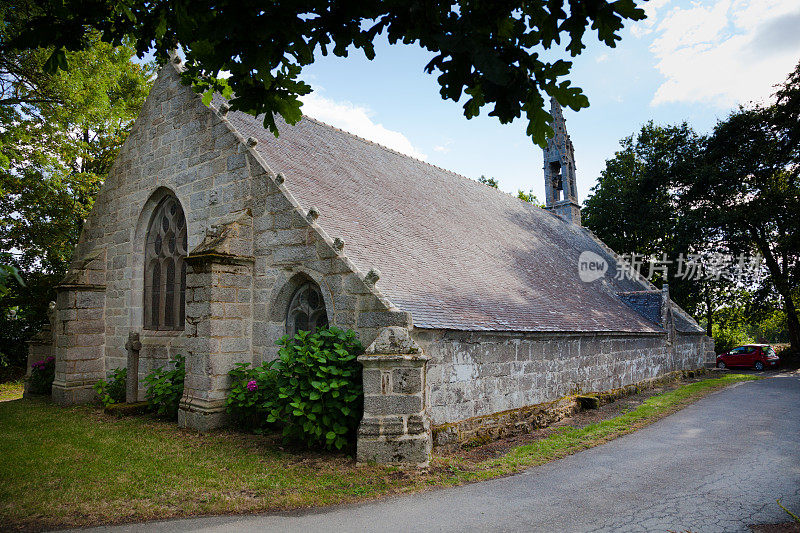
(733, 193)
(749, 192)
(494, 54)
(59, 135)
(635, 207)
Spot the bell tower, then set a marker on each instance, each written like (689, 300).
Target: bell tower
(561, 193)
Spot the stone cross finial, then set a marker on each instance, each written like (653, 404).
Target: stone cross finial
(133, 346)
(372, 276)
(133, 342)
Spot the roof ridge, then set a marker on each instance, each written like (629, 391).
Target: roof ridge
(647, 291)
(384, 147)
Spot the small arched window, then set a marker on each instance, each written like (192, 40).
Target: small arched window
(165, 268)
(306, 310)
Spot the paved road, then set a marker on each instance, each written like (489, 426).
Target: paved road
(717, 465)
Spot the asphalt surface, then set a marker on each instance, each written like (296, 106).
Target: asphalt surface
(717, 465)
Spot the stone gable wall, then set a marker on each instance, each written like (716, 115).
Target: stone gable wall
(479, 373)
(179, 146)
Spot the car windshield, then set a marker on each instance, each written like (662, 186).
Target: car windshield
(768, 351)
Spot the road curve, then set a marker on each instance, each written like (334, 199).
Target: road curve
(717, 465)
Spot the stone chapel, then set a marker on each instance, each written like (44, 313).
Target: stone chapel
(212, 238)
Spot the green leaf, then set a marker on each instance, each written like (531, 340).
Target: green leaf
(56, 61)
(161, 27)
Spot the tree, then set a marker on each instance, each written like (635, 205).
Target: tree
(59, 135)
(8, 273)
(491, 182)
(522, 195)
(749, 192)
(786, 116)
(488, 53)
(734, 194)
(529, 197)
(632, 207)
(637, 208)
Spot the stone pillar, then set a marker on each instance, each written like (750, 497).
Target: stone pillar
(218, 330)
(667, 314)
(79, 336)
(133, 346)
(395, 428)
(710, 354)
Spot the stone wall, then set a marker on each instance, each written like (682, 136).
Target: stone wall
(473, 374)
(486, 428)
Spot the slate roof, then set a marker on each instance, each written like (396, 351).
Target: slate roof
(646, 303)
(683, 322)
(455, 253)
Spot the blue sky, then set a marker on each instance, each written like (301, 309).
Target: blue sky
(690, 60)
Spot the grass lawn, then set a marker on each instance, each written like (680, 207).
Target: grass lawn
(11, 390)
(77, 466)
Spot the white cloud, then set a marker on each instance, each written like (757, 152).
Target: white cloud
(651, 10)
(725, 52)
(357, 120)
(602, 58)
(444, 147)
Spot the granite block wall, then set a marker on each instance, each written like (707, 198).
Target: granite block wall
(479, 373)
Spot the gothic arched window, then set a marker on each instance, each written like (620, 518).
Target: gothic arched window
(306, 310)
(165, 268)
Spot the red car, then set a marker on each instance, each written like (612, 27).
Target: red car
(758, 356)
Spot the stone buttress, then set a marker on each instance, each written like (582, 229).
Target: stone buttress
(395, 428)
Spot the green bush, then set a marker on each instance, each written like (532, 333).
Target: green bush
(113, 390)
(313, 390)
(164, 387)
(252, 395)
(729, 336)
(42, 374)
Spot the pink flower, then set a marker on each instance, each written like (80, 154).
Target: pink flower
(252, 385)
